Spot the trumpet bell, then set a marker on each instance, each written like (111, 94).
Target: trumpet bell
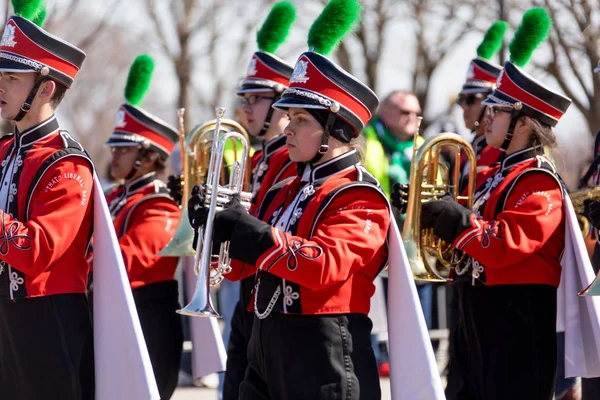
(181, 243)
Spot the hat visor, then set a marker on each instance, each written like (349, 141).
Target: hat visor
(285, 103)
(254, 89)
(498, 99)
(14, 66)
(120, 143)
(474, 90)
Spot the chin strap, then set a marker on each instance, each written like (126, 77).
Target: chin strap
(333, 109)
(267, 123)
(477, 123)
(517, 107)
(26, 106)
(138, 161)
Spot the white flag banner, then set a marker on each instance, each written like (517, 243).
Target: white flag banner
(414, 373)
(578, 316)
(208, 351)
(122, 363)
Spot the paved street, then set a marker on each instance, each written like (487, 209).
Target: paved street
(185, 393)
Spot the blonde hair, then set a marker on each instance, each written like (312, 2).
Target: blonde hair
(542, 134)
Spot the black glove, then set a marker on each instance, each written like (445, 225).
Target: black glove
(591, 210)
(175, 186)
(447, 218)
(225, 220)
(197, 211)
(400, 197)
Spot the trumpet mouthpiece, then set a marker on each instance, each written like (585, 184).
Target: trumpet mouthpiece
(220, 111)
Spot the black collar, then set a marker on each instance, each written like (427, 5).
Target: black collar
(479, 144)
(273, 145)
(37, 132)
(139, 183)
(520, 156)
(330, 167)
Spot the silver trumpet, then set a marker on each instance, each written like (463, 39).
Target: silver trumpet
(216, 198)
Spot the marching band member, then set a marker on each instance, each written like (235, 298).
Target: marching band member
(267, 77)
(318, 240)
(145, 219)
(505, 343)
(480, 82)
(46, 337)
(590, 388)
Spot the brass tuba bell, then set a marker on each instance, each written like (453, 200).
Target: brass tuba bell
(430, 180)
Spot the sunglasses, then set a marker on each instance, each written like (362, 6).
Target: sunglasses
(468, 100)
(251, 100)
(491, 111)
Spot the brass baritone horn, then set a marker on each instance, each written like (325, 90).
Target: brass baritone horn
(577, 198)
(216, 197)
(180, 244)
(195, 158)
(430, 180)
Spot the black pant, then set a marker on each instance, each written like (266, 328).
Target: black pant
(504, 346)
(46, 348)
(237, 349)
(156, 306)
(311, 357)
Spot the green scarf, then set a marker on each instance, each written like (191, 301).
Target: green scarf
(399, 153)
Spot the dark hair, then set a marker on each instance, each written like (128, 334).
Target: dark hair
(160, 165)
(58, 95)
(542, 134)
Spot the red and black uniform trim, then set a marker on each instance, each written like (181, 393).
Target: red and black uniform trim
(339, 206)
(485, 155)
(46, 188)
(25, 47)
(145, 218)
(271, 165)
(515, 233)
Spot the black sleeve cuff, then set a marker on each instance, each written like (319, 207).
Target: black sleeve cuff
(452, 222)
(251, 238)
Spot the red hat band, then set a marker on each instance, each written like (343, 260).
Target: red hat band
(258, 70)
(130, 129)
(25, 47)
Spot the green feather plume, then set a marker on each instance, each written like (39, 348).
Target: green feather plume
(40, 17)
(336, 20)
(276, 27)
(138, 80)
(492, 40)
(27, 9)
(534, 29)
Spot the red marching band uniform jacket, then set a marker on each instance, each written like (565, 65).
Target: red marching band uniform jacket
(45, 193)
(516, 234)
(145, 219)
(269, 166)
(329, 245)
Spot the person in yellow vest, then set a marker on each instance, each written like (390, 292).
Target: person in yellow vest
(389, 147)
(389, 139)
